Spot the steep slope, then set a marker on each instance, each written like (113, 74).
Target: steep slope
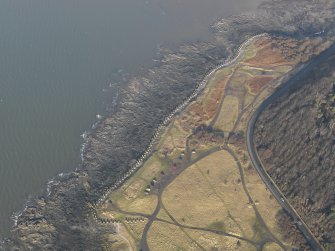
(295, 138)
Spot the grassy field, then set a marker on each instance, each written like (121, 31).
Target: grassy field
(163, 236)
(191, 198)
(210, 241)
(228, 114)
(271, 247)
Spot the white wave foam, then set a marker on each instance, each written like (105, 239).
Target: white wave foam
(94, 126)
(84, 135)
(16, 215)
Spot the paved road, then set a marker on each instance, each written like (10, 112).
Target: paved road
(285, 87)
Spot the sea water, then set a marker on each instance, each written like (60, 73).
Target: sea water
(60, 65)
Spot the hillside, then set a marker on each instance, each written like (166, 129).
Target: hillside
(295, 138)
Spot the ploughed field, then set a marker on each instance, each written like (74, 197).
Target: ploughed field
(198, 190)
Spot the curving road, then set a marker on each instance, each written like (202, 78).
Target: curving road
(284, 88)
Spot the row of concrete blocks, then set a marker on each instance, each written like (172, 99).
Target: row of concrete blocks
(102, 220)
(157, 133)
(187, 101)
(167, 120)
(134, 220)
(111, 220)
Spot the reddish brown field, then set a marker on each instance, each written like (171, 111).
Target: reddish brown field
(267, 55)
(217, 93)
(258, 82)
(200, 112)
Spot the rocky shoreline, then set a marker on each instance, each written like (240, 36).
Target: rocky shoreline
(161, 128)
(61, 221)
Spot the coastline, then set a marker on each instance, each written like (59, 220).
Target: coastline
(114, 144)
(61, 179)
(160, 129)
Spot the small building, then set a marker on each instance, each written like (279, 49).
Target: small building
(153, 182)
